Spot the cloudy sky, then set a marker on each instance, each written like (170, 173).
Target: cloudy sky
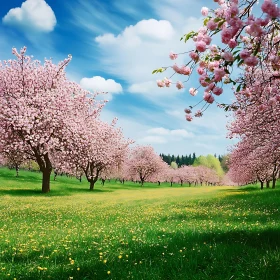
(116, 44)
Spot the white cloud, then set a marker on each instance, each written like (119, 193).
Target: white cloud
(144, 30)
(181, 133)
(134, 53)
(33, 15)
(159, 131)
(99, 84)
(152, 140)
(172, 134)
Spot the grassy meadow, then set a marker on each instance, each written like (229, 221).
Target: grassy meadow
(133, 232)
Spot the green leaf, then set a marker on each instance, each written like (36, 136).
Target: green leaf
(189, 35)
(206, 21)
(160, 70)
(240, 62)
(217, 19)
(238, 88)
(221, 23)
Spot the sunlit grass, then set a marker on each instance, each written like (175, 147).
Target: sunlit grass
(133, 232)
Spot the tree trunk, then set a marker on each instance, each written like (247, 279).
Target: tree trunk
(273, 183)
(171, 184)
(17, 169)
(46, 181)
(91, 186)
(158, 183)
(267, 184)
(261, 185)
(181, 183)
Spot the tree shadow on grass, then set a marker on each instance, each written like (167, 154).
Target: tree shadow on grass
(56, 192)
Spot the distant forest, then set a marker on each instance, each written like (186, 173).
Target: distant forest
(183, 160)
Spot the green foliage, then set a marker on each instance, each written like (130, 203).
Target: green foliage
(188, 36)
(174, 165)
(211, 162)
(159, 70)
(153, 233)
(180, 160)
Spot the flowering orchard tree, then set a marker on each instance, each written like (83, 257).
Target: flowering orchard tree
(36, 102)
(144, 163)
(162, 175)
(93, 146)
(256, 123)
(249, 40)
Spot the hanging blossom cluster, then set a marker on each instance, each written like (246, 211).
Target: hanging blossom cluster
(248, 41)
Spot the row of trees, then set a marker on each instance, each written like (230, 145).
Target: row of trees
(257, 123)
(219, 162)
(143, 165)
(47, 118)
(180, 160)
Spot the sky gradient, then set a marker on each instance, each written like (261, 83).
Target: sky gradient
(115, 47)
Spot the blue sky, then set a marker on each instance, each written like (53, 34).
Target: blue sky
(115, 46)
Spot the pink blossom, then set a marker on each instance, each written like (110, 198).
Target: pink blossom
(227, 56)
(192, 91)
(232, 43)
(189, 118)
(213, 64)
(244, 53)
(212, 25)
(270, 8)
(187, 111)
(185, 70)
(179, 85)
(167, 82)
(217, 90)
(219, 74)
(202, 80)
(200, 71)
(262, 107)
(208, 97)
(194, 56)
(160, 83)
(204, 11)
(198, 114)
(173, 55)
(213, 48)
(272, 101)
(226, 34)
(251, 61)
(200, 46)
(207, 39)
(176, 68)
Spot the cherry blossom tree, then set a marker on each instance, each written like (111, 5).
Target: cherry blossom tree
(144, 163)
(93, 146)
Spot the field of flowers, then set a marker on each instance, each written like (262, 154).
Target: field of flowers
(132, 232)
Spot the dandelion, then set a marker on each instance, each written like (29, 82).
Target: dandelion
(108, 272)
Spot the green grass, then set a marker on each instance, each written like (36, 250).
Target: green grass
(134, 232)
